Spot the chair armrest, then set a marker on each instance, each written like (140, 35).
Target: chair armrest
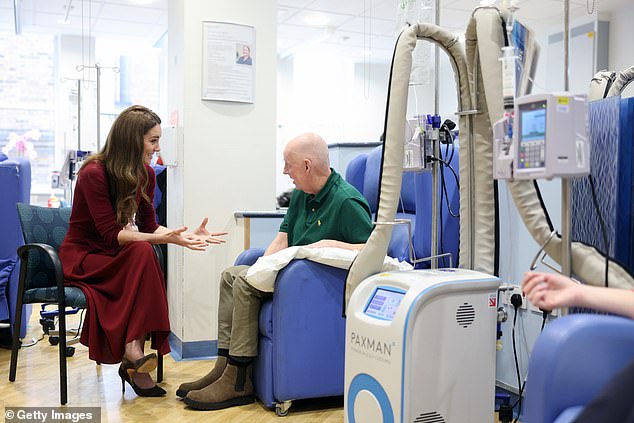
(572, 360)
(159, 256)
(399, 241)
(12, 295)
(308, 331)
(51, 253)
(248, 257)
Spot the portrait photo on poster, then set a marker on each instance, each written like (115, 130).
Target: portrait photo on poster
(243, 54)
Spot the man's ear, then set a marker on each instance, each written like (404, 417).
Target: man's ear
(307, 164)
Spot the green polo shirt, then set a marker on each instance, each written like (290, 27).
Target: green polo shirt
(337, 212)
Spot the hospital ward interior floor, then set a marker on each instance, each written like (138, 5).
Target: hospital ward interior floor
(90, 385)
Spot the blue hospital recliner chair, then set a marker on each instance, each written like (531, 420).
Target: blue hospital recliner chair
(572, 361)
(414, 204)
(302, 334)
(302, 329)
(15, 186)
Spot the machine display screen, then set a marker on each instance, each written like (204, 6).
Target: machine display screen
(532, 135)
(384, 303)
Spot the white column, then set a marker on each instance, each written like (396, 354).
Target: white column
(226, 161)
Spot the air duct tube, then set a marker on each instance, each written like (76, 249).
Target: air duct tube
(370, 258)
(587, 263)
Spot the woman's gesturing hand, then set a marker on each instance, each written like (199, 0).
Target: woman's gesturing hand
(202, 233)
(179, 237)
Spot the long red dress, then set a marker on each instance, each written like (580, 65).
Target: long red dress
(124, 285)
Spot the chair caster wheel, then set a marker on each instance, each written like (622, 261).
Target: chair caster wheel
(47, 325)
(281, 408)
(70, 351)
(53, 340)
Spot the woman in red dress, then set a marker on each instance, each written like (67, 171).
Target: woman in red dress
(107, 251)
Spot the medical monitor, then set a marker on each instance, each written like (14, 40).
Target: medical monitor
(550, 137)
(384, 303)
(532, 136)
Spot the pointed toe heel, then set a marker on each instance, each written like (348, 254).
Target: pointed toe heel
(127, 369)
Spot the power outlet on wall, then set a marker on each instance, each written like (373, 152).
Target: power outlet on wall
(506, 291)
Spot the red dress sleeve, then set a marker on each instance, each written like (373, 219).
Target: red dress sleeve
(94, 186)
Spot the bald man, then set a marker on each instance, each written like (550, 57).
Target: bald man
(324, 211)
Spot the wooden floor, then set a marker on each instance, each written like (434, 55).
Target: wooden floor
(37, 384)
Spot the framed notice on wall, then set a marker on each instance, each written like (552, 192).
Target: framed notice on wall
(229, 60)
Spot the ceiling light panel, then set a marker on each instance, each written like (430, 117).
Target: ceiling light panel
(300, 4)
(128, 13)
(297, 32)
(348, 7)
(316, 19)
(372, 26)
(334, 19)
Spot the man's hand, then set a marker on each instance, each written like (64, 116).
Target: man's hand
(325, 243)
(331, 243)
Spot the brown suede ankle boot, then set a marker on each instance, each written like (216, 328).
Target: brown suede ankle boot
(233, 388)
(208, 379)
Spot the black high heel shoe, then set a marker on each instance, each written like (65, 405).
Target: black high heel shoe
(146, 364)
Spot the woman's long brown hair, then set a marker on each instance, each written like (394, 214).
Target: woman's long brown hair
(122, 156)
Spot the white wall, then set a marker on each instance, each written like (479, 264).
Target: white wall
(336, 97)
(621, 46)
(227, 156)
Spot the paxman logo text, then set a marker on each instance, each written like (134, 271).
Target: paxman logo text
(370, 344)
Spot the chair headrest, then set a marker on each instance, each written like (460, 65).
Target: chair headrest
(44, 225)
(355, 171)
(370, 190)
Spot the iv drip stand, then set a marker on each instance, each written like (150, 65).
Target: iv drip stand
(566, 257)
(98, 68)
(435, 166)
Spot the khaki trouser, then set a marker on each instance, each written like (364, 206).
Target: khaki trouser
(238, 313)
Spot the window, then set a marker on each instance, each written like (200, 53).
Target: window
(27, 97)
(35, 94)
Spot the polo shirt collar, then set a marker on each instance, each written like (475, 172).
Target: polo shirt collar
(332, 179)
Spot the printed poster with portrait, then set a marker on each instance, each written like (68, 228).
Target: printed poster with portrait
(229, 60)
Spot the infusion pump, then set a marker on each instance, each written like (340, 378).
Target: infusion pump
(545, 138)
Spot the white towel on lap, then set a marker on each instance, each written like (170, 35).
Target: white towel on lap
(264, 271)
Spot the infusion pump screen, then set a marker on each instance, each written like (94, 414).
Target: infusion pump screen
(384, 303)
(532, 135)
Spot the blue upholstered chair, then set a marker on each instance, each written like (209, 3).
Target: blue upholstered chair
(302, 334)
(302, 328)
(42, 278)
(415, 205)
(15, 186)
(572, 361)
